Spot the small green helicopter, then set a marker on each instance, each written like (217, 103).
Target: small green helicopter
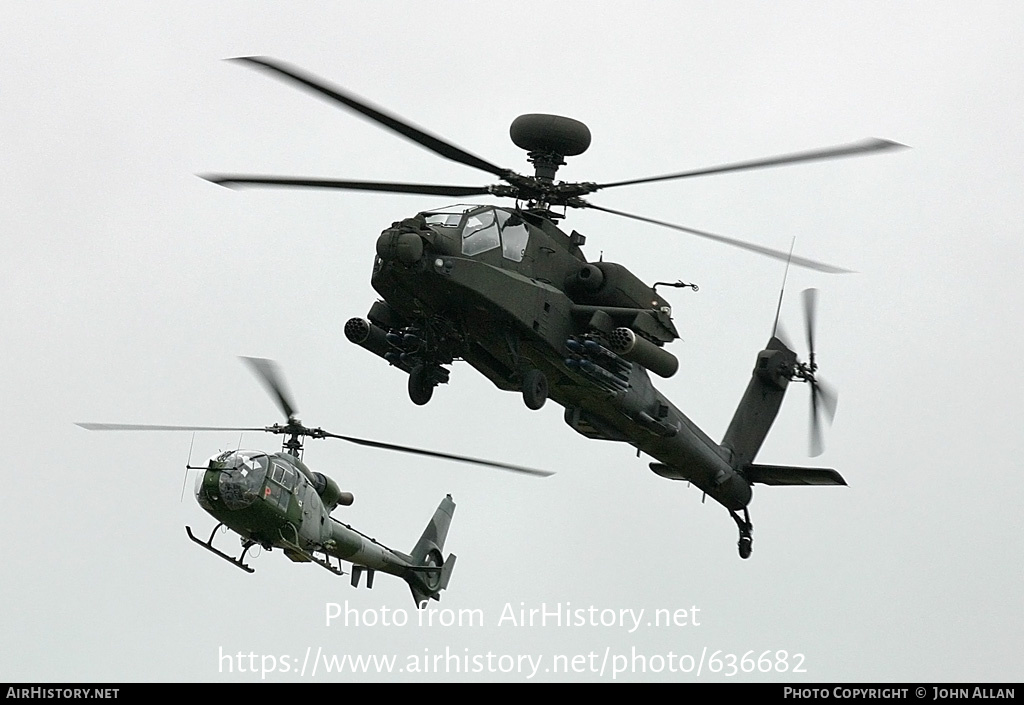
(274, 500)
(508, 291)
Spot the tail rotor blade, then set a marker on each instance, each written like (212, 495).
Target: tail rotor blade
(817, 446)
(810, 314)
(824, 400)
(829, 399)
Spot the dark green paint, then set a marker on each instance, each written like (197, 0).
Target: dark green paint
(451, 291)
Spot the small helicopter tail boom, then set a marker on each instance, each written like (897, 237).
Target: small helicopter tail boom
(430, 572)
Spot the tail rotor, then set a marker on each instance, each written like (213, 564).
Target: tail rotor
(823, 397)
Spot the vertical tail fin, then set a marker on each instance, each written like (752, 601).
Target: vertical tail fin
(431, 572)
(760, 403)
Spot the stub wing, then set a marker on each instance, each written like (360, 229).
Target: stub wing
(789, 475)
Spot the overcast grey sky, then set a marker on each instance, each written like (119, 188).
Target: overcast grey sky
(130, 286)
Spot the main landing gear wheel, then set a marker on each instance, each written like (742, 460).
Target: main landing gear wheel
(421, 385)
(746, 542)
(535, 389)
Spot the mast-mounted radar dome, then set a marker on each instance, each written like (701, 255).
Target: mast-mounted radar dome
(548, 139)
(550, 133)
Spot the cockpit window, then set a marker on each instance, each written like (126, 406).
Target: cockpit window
(241, 477)
(286, 476)
(279, 490)
(479, 233)
(449, 216)
(514, 235)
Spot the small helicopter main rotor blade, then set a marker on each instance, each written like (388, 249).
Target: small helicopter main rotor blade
(235, 181)
(157, 427)
(443, 456)
(810, 305)
(767, 251)
(434, 144)
(863, 147)
(268, 373)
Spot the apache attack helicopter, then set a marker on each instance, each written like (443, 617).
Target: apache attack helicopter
(274, 500)
(509, 292)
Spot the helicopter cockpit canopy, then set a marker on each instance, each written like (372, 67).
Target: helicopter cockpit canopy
(242, 473)
(449, 216)
(485, 228)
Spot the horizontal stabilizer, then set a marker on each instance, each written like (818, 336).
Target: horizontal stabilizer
(789, 475)
(446, 571)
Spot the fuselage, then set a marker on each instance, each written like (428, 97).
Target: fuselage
(508, 291)
(276, 501)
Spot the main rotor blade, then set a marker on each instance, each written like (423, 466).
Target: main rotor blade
(268, 373)
(863, 147)
(405, 129)
(444, 456)
(234, 181)
(155, 427)
(810, 305)
(767, 251)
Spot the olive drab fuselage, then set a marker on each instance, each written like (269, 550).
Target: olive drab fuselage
(275, 501)
(511, 307)
(268, 499)
(507, 291)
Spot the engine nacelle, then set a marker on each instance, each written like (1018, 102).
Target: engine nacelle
(330, 494)
(611, 284)
(588, 279)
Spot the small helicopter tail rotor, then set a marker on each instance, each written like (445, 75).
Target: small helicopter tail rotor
(431, 571)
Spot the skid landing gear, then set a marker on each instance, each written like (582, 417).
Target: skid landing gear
(746, 542)
(208, 545)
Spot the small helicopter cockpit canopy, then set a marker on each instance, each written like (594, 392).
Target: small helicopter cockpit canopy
(242, 474)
